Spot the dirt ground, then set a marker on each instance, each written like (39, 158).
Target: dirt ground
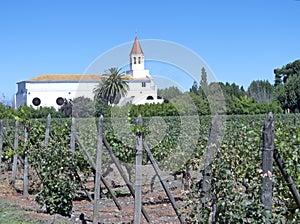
(156, 204)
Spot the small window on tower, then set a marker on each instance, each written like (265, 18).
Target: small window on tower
(139, 61)
(143, 84)
(134, 60)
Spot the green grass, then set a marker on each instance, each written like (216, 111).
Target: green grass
(12, 214)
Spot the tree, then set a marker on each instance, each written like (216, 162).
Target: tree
(169, 93)
(194, 88)
(112, 87)
(261, 90)
(83, 107)
(231, 90)
(288, 94)
(66, 108)
(292, 91)
(282, 74)
(203, 82)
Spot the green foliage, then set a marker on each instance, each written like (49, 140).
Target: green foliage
(194, 89)
(169, 93)
(288, 137)
(235, 170)
(201, 104)
(245, 105)
(261, 91)
(203, 81)
(236, 176)
(147, 110)
(55, 166)
(232, 90)
(289, 70)
(25, 112)
(113, 87)
(83, 107)
(288, 95)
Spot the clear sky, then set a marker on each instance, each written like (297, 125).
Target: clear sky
(240, 40)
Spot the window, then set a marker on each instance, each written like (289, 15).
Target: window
(134, 60)
(59, 101)
(139, 61)
(143, 84)
(36, 101)
(150, 98)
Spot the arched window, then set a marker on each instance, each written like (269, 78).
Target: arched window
(139, 61)
(150, 98)
(134, 60)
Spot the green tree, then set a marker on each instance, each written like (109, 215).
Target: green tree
(203, 82)
(169, 93)
(233, 89)
(292, 91)
(201, 104)
(112, 88)
(83, 107)
(194, 88)
(280, 96)
(261, 91)
(288, 94)
(282, 74)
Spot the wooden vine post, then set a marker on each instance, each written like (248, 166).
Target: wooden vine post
(98, 171)
(15, 158)
(162, 181)
(47, 133)
(1, 140)
(138, 172)
(72, 137)
(267, 162)
(25, 174)
(92, 163)
(125, 178)
(212, 150)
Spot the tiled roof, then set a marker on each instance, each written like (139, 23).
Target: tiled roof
(136, 48)
(65, 77)
(74, 77)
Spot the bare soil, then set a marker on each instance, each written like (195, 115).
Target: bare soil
(156, 203)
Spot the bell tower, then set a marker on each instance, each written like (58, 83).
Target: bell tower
(137, 63)
(136, 56)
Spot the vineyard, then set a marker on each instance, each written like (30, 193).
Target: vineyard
(54, 160)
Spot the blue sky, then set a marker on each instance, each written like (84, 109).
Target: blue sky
(240, 40)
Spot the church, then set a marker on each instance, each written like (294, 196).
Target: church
(51, 90)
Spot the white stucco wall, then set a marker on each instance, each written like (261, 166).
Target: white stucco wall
(48, 92)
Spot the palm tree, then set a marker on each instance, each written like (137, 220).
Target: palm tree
(113, 87)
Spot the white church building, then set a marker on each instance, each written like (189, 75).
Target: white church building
(50, 90)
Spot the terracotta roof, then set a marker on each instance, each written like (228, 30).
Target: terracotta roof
(74, 77)
(136, 48)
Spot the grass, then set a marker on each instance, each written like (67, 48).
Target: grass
(13, 214)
